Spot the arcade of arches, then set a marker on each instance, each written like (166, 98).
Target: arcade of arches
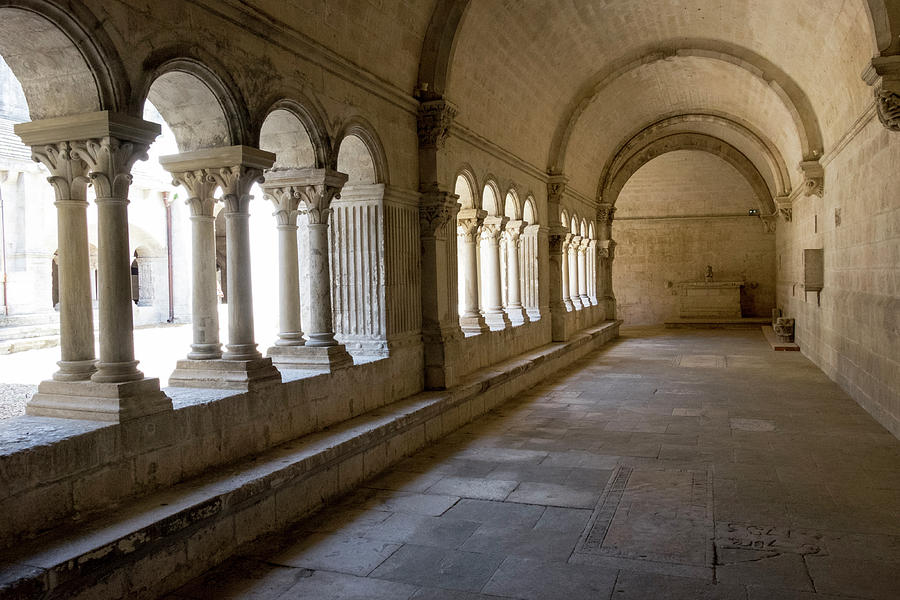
(455, 200)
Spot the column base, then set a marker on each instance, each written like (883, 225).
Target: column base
(90, 400)
(585, 300)
(533, 314)
(320, 358)
(473, 325)
(497, 321)
(221, 374)
(517, 316)
(569, 306)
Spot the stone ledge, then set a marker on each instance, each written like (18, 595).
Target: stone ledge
(122, 554)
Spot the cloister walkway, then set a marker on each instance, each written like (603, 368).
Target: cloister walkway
(670, 464)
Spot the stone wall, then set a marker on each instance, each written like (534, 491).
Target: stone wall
(852, 330)
(679, 213)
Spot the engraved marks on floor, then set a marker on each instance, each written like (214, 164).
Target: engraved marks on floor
(704, 361)
(660, 516)
(777, 540)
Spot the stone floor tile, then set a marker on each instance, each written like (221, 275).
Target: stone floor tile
(471, 487)
(632, 585)
(423, 530)
(497, 513)
(551, 494)
(323, 585)
(545, 544)
(419, 504)
(536, 580)
(438, 567)
(756, 592)
(343, 554)
(764, 568)
(406, 481)
(874, 580)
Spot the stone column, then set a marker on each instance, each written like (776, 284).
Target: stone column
(592, 272)
(567, 280)
(68, 176)
(234, 169)
(105, 145)
(468, 231)
(512, 235)
(582, 272)
(205, 302)
(530, 256)
(286, 202)
(606, 250)
(572, 251)
(312, 190)
(492, 303)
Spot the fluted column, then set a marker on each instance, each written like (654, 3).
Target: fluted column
(68, 176)
(100, 147)
(205, 301)
(582, 272)
(468, 231)
(531, 272)
(512, 236)
(492, 298)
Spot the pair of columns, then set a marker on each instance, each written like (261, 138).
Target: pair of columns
(575, 290)
(234, 170)
(97, 149)
(474, 226)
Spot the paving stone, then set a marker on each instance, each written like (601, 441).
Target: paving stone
(343, 554)
(534, 580)
(550, 494)
(241, 578)
(866, 579)
(438, 567)
(423, 530)
(323, 585)
(471, 487)
(632, 585)
(497, 513)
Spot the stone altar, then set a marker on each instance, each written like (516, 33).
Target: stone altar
(710, 299)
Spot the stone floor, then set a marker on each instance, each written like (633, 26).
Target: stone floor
(672, 464)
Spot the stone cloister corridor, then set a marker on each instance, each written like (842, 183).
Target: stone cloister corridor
(522, 299)
(669, 464)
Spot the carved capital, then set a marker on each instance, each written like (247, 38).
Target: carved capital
(556, 239)
(556, 187)
(468, 224)
(512, 232)
(813, 178)
(783, 207)
(286, 200)
(200, 188)
(883, 74)
(236, 182)
(492, 228)
(605, 213)
(68, 173)
(436, 209)
(607, 249)
(109, 162)
(433, 122)
(769, 222)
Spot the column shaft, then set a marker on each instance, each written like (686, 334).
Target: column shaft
(205, 301)
(241, 344)
(290, 333)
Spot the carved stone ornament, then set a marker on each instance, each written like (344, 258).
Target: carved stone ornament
(883, 74)
(813, 178)
(200, 188)
(236, 182)
(433, 122)
(109, 163)
(769, 222)
(316, 201)
(436, 209)
(64, 168)
(605, 213)
(556, 186)
(783, 207)
(285, 200)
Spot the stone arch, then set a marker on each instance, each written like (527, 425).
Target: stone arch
(564, 218)
(529, 212)
(363, 130)
(490, 197)
(512, 207)
(591, 231)
(767, 150)
(295, 133)
(688, 141)
(465, 186)
(789, 92)
(582, 229)
(573, 224)
(196, 100)
(438, 48)
(62, 58)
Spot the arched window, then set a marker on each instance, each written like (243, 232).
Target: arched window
(511, 258)
(530, 261)
(468, 227)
